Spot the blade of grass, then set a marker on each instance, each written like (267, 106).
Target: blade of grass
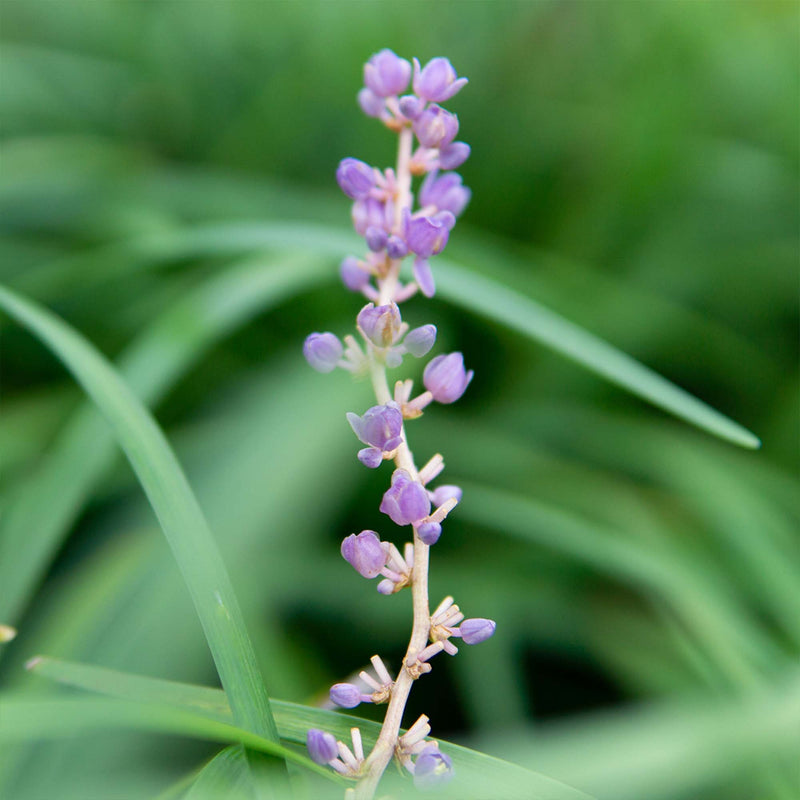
(177, 509)
(226, 775)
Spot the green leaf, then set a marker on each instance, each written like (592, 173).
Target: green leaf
(177, 509)
(226, 775)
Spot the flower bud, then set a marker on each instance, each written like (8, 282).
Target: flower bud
(396, 247)
(453, 155)
(475, 631)
(386, 73)
(432, 768)
(420, 340)
(376, 238)
(426, 236)
(435, 127)
(321, 745)
(445, 192)
(445, 378)
(429, 532)
(355, 178)
(371, 104)
(322, 351)
(406, 501)
(381, 427)
(367, 213)
(424, 277)
(365, 553)
(380, 325)
(346, 695)
(353, 276)
(441, 494)
(437, 80)
(411, 106)
(370, 457)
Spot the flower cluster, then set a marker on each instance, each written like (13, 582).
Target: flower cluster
(396, 229)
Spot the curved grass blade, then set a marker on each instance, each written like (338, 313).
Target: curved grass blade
(51, 499)
(177, 509)
(225, 775)
(473, 768)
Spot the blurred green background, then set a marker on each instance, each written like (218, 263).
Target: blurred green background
(634, 167)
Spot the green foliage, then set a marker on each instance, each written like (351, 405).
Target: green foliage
(167, 191)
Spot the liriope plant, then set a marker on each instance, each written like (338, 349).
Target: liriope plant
(399, 225)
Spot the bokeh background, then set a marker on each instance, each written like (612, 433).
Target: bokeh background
(634, 168)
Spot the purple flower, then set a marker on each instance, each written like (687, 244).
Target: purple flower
(445, 192)
(355, 178)
(380, 325)
(432, 768)
(370, 103)
(322, 351)
(386, 73)
(365, 553)
(321, 746)
(376, 238)
(437, 80)
(426, 236)
(445, 378)
(419, 341)
(353, 276)
(346, 695)
(381, 427)
(406, 502)
(436, 127)
(453, 155)
(411, 106)
(396, 247)
(475, 631)
(429, 532)
(441, 494)
(424, 277)
(369, 213)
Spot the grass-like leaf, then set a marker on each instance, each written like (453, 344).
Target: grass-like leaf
(177, 509)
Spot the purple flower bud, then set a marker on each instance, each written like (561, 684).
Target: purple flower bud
(370, 103)
(355, 178)
(376, 238)
(321, 746)
(475, 631)
(436, 127)
(445, 378)
(419, 341)
(346, 695)
(368, 213)
(429, 532)
(453, 155)
(353, 276)
(437, 80)
(386, 73)
(322, 351)
(381, 324)
(426, 236)
(381, 427)
(445, 192)
(364, 553)
(411, 106)
(406, 502)
(396, 247)
(424, 277)
(432, 768)
(441, 494)
(371, 457)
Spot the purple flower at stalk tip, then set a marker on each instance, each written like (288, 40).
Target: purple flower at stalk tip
(364, 553)
(445, 192)
(380, 324)
(406, 501)
(321, 746)
(368, 213)
(322, 351)
(445, 377)
(426, 236)
(346, 695)
(411, 106)
(453, 155)
(441, 494)
(432, 768)
(386, 73)
(429, 532)
(355, 178)
(424, 277)
(437, 80)
(419, 341)
(353, 276)
(371, 104)
(435, 127)
(475, 631)
(381, 427)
